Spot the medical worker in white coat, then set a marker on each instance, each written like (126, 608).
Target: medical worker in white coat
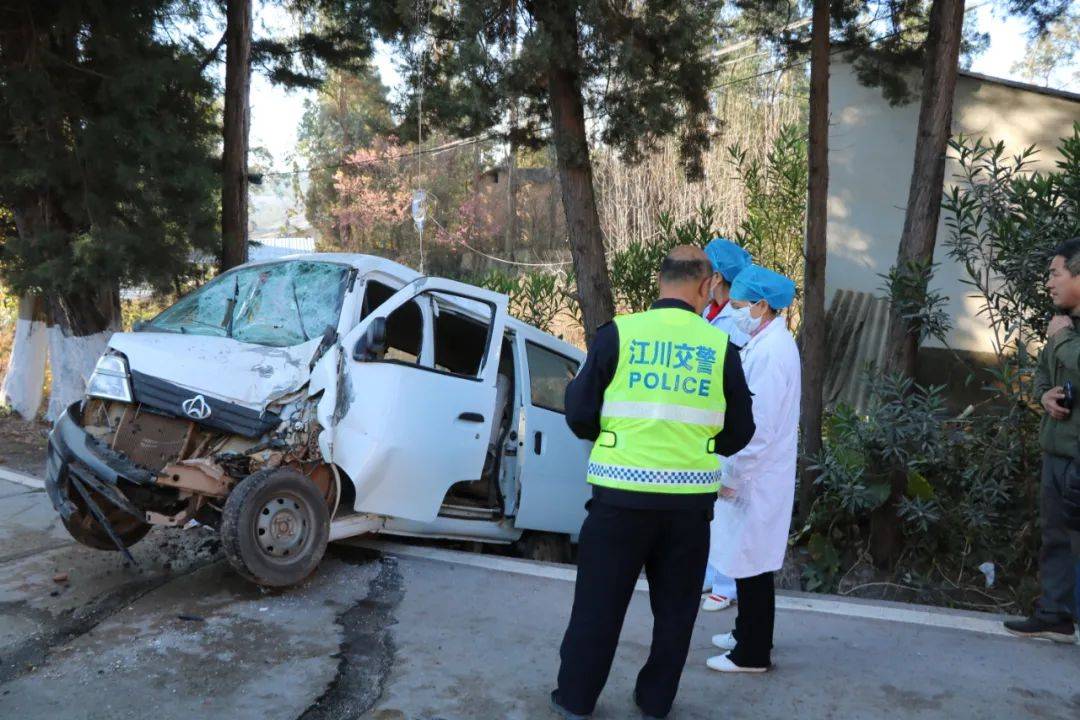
(759, 488)
(728, 260)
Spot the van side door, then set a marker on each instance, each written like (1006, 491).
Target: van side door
(416, 417)
(553, 461)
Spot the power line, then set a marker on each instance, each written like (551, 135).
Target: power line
(837, 49)
(464, 244)
(453, 145)
(465, 142)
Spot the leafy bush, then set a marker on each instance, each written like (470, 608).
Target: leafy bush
(775, 219)
(536, 297)
(971, 481)
(635, 268)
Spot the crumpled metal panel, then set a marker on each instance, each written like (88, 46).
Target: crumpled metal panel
(857, 324)
(149, 439)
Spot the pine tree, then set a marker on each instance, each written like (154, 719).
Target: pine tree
(106, 163)
(639, 71)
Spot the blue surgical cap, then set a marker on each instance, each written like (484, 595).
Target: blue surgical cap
(727, 258)
(758, 283)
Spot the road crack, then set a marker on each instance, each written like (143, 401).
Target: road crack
(366, 655)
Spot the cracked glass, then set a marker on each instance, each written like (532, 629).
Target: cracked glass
(279, 304)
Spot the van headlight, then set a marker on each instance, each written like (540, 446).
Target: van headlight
(110, 379)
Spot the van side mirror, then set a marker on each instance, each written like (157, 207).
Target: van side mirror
(372, 344)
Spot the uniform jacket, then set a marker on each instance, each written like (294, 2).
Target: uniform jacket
(585, 398)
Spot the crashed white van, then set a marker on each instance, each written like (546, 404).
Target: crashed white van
(317, 397)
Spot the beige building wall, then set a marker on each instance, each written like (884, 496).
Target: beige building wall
(871, 148)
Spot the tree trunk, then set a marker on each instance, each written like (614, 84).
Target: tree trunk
(920, 229)
(80, 325)
(234, 159)
(512, 225)
(24, 381)
(510, 240)
(813, 310)
(558, 20)
(928, 172)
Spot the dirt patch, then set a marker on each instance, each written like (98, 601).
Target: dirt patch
(23, 443)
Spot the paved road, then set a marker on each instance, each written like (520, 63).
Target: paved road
(390, 636)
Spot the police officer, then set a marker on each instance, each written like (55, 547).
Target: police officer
(661, 394)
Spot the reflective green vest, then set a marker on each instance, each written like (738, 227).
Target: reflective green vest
(663, 406)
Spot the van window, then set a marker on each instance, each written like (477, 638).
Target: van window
(404, 326)
(404, 333)
(549, 374)
(375, 294)
(462, 330)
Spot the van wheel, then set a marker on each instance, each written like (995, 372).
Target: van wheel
(275, 527)
(85, 528)
(545, 547)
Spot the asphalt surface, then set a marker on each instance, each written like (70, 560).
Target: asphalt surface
(391, 636)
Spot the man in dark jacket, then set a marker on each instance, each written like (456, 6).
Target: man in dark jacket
(661, 394)
(1059, 435)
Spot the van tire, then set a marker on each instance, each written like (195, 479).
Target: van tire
(545, 547)
(275, 527)
(86, 530)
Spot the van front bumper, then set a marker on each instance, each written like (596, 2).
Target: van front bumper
(75, 455)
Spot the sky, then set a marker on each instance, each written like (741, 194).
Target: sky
(276, 113)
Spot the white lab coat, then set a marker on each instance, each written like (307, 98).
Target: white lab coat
(749, 534)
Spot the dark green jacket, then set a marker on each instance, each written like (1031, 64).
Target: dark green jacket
(1060, 361)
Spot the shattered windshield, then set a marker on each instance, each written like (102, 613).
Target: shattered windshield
(281, 304)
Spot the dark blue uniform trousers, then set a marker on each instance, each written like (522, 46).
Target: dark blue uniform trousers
(615, 544)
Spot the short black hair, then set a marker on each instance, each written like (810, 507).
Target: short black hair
(1070, 250)
(673, 270)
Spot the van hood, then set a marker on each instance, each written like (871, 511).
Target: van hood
(242, 373)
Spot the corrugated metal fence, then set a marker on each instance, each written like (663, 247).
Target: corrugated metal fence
(857, 323)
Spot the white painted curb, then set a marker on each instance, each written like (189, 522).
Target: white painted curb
(21, 479)
(924, 615)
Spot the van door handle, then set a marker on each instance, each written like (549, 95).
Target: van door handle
(538, 443)
(471, 417)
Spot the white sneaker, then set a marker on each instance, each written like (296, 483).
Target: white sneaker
(724, 641)
(721, 663)
(713, 603)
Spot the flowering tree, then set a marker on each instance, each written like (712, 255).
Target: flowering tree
(373, 196)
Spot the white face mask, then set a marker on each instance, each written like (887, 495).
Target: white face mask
(744, 320)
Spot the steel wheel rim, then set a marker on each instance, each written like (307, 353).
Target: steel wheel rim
(283, 527)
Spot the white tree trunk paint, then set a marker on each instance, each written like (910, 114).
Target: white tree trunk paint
(24, 381)
(72, 359)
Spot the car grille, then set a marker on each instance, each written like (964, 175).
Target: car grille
(228, 417)
(147, 438)
(152, 440)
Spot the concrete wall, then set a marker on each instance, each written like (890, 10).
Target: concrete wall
(871, 147)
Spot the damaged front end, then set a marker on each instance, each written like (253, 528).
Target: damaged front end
(207, 413)
(117, 468)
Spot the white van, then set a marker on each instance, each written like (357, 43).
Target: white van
(319, 397)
